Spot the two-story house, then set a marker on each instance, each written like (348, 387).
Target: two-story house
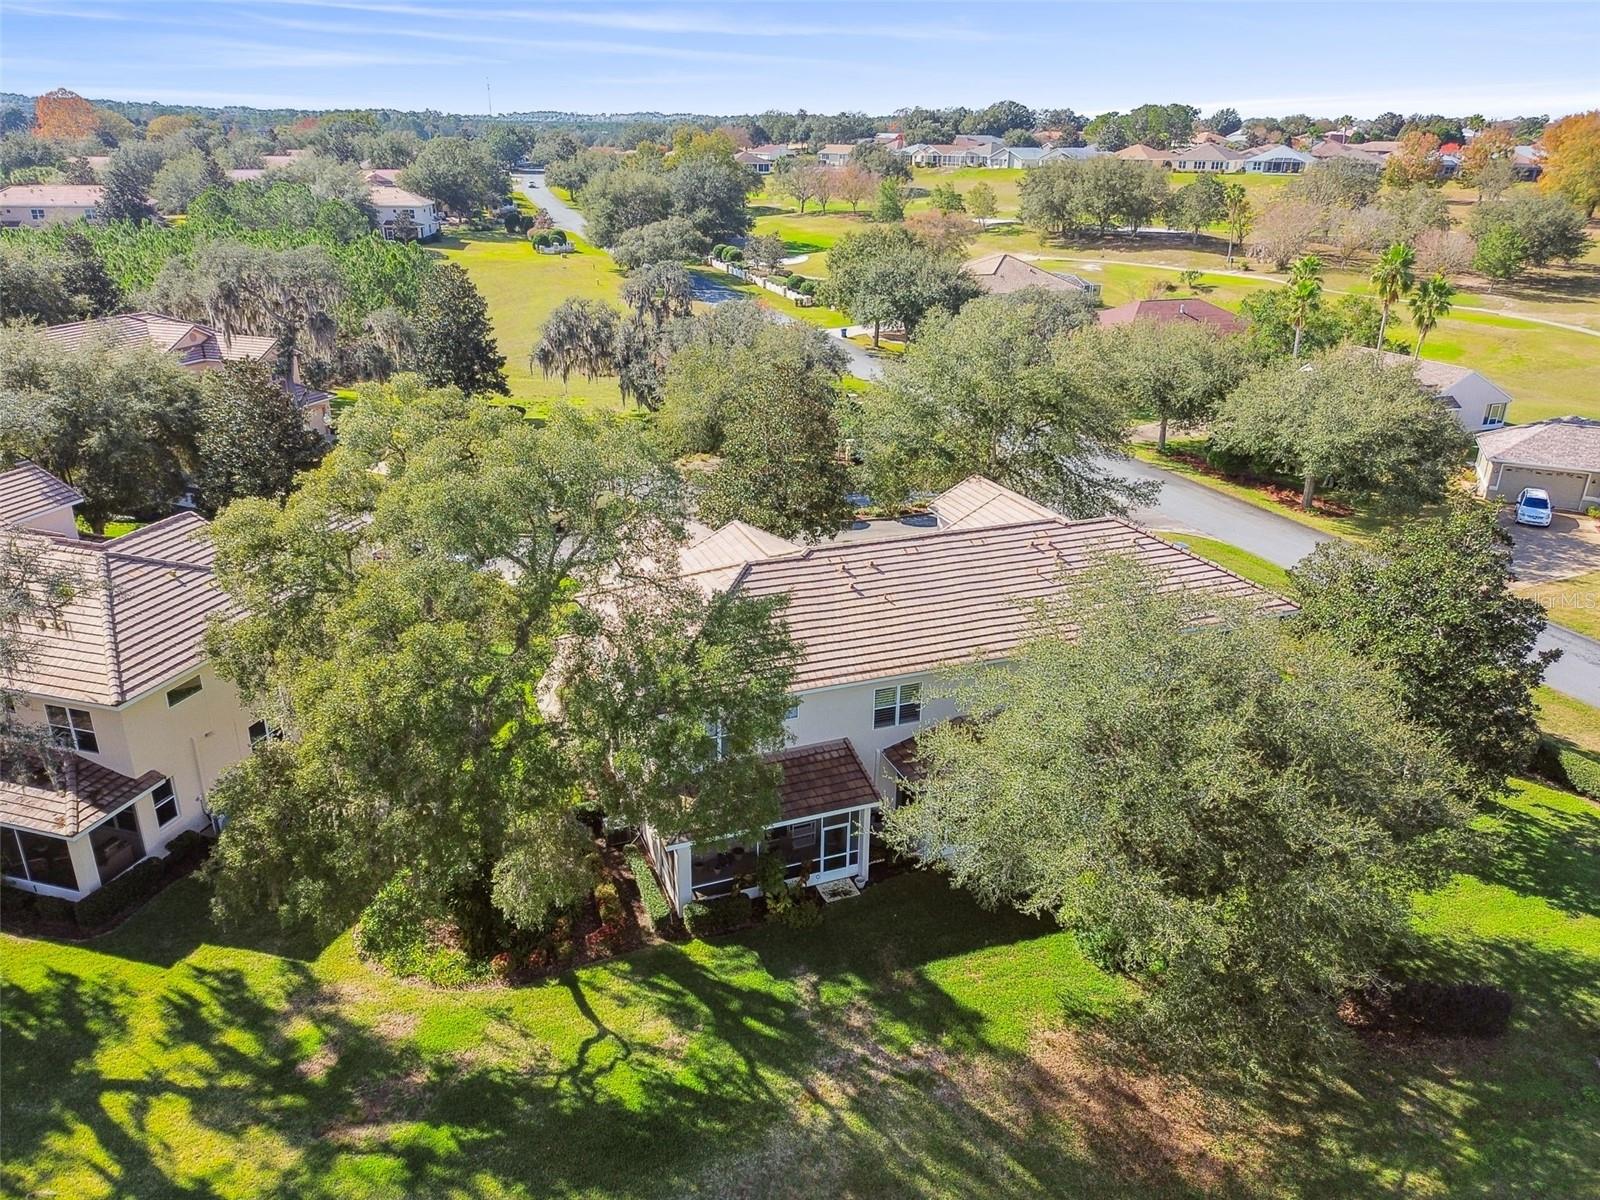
(35, 205)
(141, 726)
(880, 615)
(201, 348)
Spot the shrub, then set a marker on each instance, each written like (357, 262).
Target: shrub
(133, 887)
(1568, 767)
(449, 967)
(16, 904)
(188, 848)
(708, 917)
(501, 965)
(608, 903)
(392, 927)
(55, 910)
(734, 255)
(718, 250)
(558, 237)
(794, 281)
(808, 288)
(650, 893)
(601, 941)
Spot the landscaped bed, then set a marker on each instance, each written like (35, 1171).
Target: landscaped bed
(912, 1045)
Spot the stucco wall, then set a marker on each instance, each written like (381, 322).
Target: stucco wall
(846, 712)
(1475, 394)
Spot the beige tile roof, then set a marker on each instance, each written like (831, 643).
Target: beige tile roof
(1143, 153)
(69, 798)
(192, 342)
(1201, 311)
(820, 778)
(52, 195)
(1002, 273)
(713, 558)
(138, 617)
(1559, 444)
(27, 490)
(976, 503)
(394, 197)
(873, 610)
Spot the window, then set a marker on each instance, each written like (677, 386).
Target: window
(36, 214)
(793, 710)
(897, 706)
(166, 802)
(182, 692)
(72, 727)
(1495, 414)
(719, 737)
(263, 729)
(45, 860)
(117, 844)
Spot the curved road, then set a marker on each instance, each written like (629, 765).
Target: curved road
(1185, 506)
(531, 184)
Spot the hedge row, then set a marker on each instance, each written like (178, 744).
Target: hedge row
(1569, 767)
(650, 894)
(707, 917)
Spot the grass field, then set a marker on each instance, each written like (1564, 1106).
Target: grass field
(522, 287)
(1574, 602)
(1241, 562)
(914, 1045)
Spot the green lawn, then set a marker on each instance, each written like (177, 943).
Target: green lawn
(1574, 602)
(1241, 562)
(1573, 720)
(522, 287)
(913, 1046)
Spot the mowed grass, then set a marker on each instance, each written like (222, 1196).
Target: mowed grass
(1574, 602)
(522, 288)
(914, 1045)
(1246, 565)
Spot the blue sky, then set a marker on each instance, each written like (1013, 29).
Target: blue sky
(1355, 57)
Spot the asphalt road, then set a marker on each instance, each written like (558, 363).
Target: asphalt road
(563, 214)
(1189, 507)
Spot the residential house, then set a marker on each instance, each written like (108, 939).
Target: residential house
(200, 348)
(1527, 163)
(877, 621)
(142, 727)
(835, 154)
(1560, 455)
(1207, 158)
(1275, 160)
(893, 140)
(761, 159)
(982, 141)
(999, 274)
(1202, 312)
(1073, 152)
(398, 213)
(35, 205)
(952, 154)
(1475, 401)
(1326, 150)
(1024, 157)
(1139, 152)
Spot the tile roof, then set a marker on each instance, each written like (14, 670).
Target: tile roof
(73, 795)
(395, 197)
(712, 560)
(977, 503)
(820, 778)
(303, 396)
(191, 341)
(138, 617)
(1002, 273)
(53, 195)
(1559, 444)
(873, 610)
(1200, 311)
(1144, 153)
(902, 756)
(27, 490)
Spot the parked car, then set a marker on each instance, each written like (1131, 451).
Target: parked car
(1533, 507)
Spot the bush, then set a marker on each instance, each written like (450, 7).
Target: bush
(558, 237)
(1568, 767)
(794, 281)
(16, 904)
(133, 887)
(706, 918)
(188, 848)
(650, 893)
(392, 929)
(808, 288)
(734, 255)
(608, 903)
(450, 968)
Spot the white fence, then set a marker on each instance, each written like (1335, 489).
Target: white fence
(738, 271)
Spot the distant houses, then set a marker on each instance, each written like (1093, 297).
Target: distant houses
(35, 205)
(1001, 274)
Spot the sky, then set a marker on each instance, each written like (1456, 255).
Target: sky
(1355, 57)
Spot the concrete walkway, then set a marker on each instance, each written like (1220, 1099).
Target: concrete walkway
(566, 217)
(1187, 507)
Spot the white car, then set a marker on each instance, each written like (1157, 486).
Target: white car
(1533, 507)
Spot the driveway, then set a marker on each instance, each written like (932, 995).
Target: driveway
(1568, 546)
(566, 217)
(1192, 508)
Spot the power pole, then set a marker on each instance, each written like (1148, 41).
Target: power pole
(490, 94)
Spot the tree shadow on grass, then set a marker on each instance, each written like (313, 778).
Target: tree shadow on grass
(1552, 854)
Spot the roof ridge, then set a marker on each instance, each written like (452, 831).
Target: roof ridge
(113, 651)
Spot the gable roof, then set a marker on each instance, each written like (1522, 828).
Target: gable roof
(1002, 273)
(27, 490)
(1144, 153)
(68, 797)
(712, 560)
(1441, 376)
(977, 503)
(1559, 444)
(396, 197)
(1200, 311)
(874, 610)
(1207, 152)
(53, 195)
(822, 777)
(137, 618)
(191, 341)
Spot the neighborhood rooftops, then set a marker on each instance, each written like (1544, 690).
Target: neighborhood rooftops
(872, 610)
(1558, 444)
(192, 342)
(977, 502)
(137, 616)
(65, 794)
(1200, 311)
(27, 490)
(52, 195)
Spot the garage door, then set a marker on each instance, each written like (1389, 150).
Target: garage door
(1565, 488)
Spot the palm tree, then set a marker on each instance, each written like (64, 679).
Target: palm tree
(1237, 214)
(1392, 279)
(1429, 302)
(1305, 294)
